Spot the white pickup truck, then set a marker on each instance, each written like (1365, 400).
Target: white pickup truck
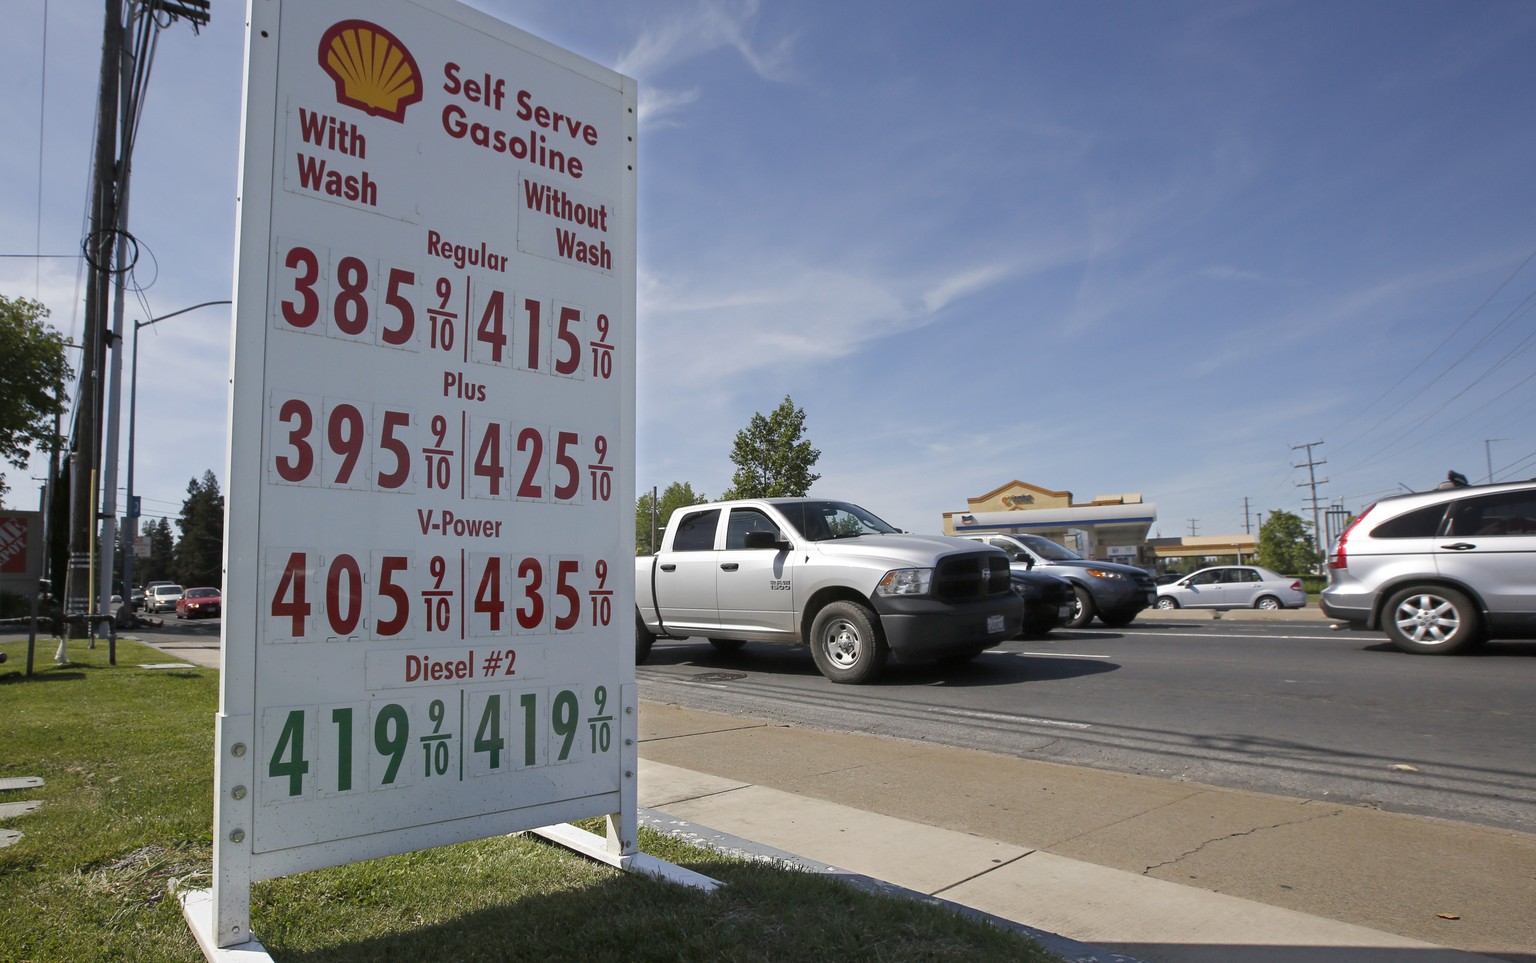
(827, 574)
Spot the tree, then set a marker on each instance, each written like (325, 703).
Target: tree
(674, 496)
(1286, 545)
(32, 379)
(200, 551)
(772, 461)
(162, 553)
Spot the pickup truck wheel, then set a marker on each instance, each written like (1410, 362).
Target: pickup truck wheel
(643, 640)
(846, 643)
(726, 645)
(1431, 620)
(1082, 608)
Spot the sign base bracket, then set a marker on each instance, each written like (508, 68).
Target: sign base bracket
(596, 847)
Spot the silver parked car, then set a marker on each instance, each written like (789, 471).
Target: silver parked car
(162, 597)
(1233, 587)
(1439, 571)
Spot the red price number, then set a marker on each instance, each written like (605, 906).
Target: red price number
(345, 296)
(602, 351)
(337, 443)
(437, 597)
(600, 597)
(546, 594)
(600, 471)
(546, 464)
(527, 332)
(312, 596)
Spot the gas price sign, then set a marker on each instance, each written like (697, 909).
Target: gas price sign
(427, 632)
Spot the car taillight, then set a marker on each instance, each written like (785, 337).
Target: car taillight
(1296, 586)
(1340, 558)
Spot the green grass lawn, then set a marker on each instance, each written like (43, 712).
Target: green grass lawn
(127, 755)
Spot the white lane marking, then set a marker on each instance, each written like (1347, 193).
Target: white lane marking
(1065, 655)
(1220, 635)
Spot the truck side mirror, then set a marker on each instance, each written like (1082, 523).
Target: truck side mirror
(764, 540)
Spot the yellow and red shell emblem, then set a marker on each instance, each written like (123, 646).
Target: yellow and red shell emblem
(372, 69)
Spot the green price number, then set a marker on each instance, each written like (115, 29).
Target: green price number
(488, 737)
(288, 761)
(391, 735)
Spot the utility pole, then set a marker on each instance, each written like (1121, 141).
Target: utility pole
(1247, 519)
(106, 249)
(1312, 482)
(79, 600)
(1192, 523)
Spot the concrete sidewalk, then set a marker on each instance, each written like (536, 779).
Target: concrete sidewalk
(1135, 866)
(1160, 871)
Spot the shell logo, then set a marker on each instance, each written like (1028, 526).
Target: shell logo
(373, 70)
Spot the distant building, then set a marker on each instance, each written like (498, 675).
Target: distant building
(1203, 550)
(1111, 528)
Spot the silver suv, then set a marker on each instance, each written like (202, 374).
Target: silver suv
(1439, 571)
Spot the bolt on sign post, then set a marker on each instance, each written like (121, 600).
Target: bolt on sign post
(430, 475)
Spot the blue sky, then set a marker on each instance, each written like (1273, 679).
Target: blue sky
(1103, 247)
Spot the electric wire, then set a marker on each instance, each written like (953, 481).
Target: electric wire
(1427, 356)
(1390, 444)
(42, 116)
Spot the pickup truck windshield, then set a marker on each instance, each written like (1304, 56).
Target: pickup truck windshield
(817, 521)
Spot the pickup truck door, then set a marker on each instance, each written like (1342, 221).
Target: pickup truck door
(755, 587)
(685, 576)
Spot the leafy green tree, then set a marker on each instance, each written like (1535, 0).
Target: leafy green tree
(32, 378)
(772, 460)
(157, 565)
(1286, 545)
(200, 550)
(674, 496)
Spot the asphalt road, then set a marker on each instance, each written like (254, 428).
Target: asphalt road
(1283, 707)
(1278, 707)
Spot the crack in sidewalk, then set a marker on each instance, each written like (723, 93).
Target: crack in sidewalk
(1227, 836)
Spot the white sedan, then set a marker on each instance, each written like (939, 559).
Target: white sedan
(1233, 587)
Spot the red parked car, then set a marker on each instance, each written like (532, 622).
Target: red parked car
(200, 603)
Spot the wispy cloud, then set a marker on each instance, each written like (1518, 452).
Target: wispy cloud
(965, 283)
(686, 34)
(702, 28)
(657, 106)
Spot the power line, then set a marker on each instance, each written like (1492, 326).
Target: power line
(42, 115)
(1427, 356)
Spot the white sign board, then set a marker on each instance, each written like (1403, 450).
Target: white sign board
(427, 635)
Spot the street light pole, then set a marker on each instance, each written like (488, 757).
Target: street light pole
(131, 528)
(1488, 454)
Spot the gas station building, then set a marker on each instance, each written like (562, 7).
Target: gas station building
(1111, 528)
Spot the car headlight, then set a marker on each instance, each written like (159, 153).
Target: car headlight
(1104, 573)
(905, 581)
